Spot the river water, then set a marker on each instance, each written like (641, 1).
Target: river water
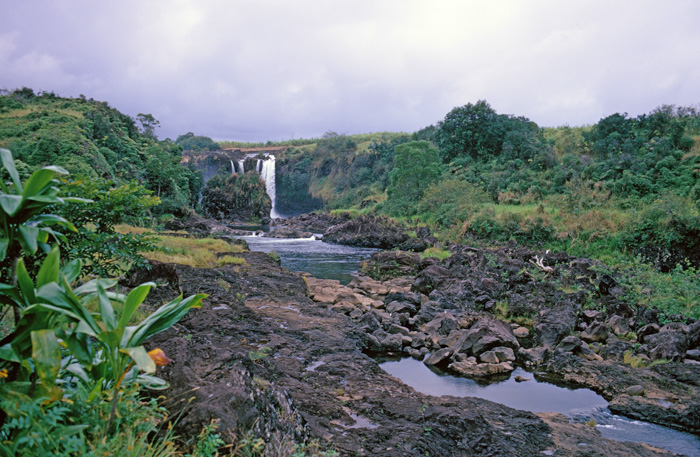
(322, 260)
(581, 405)
(333, 261)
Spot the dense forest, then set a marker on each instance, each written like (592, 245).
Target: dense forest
(625, 191)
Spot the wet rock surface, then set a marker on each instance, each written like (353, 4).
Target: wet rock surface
(286, 356)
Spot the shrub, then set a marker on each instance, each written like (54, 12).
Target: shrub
(451, 201)
(667, 233)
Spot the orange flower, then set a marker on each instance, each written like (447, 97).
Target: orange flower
(159, 357)
(3, 373)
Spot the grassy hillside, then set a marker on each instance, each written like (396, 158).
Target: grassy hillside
(92, 141)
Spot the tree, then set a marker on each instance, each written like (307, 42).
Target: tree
(416, 166)
(149, 124)
(190, 142)
(473, 130)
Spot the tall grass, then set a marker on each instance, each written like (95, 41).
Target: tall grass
(193, 252)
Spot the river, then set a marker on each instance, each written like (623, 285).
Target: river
(333, 261)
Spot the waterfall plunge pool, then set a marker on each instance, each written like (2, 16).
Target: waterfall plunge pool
(535, 396)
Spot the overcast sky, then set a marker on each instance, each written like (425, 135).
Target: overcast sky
(271, 70)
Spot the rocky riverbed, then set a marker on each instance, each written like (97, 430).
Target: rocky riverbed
(286, 357)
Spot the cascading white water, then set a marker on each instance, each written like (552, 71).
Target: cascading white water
(241, 166)
(233, 168)
(267, 173)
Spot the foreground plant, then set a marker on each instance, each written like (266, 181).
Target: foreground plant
(57, 340)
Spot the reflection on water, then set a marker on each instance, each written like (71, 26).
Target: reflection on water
(535, 396)
(322, 260)
(538, 397)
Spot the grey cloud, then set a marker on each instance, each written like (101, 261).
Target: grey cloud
(272, 69)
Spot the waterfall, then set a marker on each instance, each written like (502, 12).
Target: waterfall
(267, 173)
(266, 169)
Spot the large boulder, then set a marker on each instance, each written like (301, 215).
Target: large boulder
(552, 325)
(431, 278)
(443, 324)
(480, 370)
(598, 332)
(286, 232)
(390, 264)
(368, 231)
(486, 334)
(670, 345)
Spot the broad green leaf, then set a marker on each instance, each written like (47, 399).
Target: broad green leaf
(83, 327)
(9, 163)
(10, 203)
(24, 281)
(49, 269)
(57, 169)
(46, 199)
(7, 352)
(37, 182)
(162, 318)
(46, 353)
(71, 270)
(91, 286)
(49, 219)
(54, 294)
(4, 243)
(77, 200)
(42, 237)
(79, 345)
(96, 391)
(75, 368)
(110, 338)
(48, 392)
(152, 382)
(28, 238)
(43, 308)
(133, 300)
(106, 308)
(141, 358)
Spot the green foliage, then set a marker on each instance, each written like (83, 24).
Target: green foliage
(436, 252)
(534, 229)
(97, 350)
(208, 442)
(675, 292)
(190, 142)
(105, 251)
(667, 233)
(451, 201)
(236, 196)
(338, 171)
(416, 167)
(476, 131)
(23, 224)
(76, 426)
(90, 139)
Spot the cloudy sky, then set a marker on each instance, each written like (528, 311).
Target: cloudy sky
(271, 70)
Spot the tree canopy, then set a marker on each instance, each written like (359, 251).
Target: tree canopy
(416, 167)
